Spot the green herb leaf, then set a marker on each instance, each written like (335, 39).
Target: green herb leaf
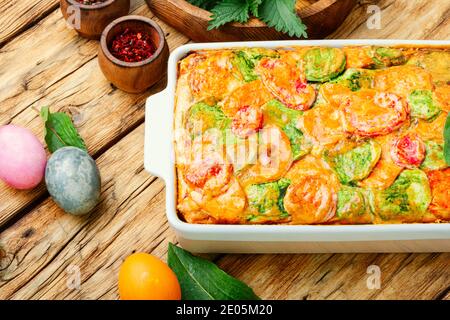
(60, 131)
(254, 5)
(447, 140)
(201, 279)
(204, 4)
(228, 11)
(281, 15)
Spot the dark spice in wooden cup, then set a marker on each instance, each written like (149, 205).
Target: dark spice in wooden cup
(132, 46)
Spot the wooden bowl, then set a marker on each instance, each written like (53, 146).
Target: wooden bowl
(133, 77)
(322, 17)
(90, 20)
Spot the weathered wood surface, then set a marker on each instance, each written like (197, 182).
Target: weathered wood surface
(17, 16)
(45, 63)
(400, 19)
(61, 71)
(46, 241)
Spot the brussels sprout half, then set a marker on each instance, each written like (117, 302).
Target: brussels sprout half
(423, 105)
(434, 156)
(245, 61)
(355, 205)
(355, 79)
(355, 164)
(265, 201)
(324, 64)
(407, 199)
(300, 146)
(201, 117)
(277, 113)
(386, 57)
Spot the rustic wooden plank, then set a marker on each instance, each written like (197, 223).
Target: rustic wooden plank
(44, 57)
(38, 249)
(60, 69)
(419, 19)
(341, 276)
(16, 16)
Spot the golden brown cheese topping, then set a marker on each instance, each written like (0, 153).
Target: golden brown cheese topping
(313, 135)
(386, 170)
(213, 76)
(323, 124)
(403, 80)
(370, 113)
(311, 197)
(284, 77)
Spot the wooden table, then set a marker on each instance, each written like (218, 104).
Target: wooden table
(43, 62)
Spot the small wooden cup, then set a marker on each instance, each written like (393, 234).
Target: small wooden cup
(90, 20)
(133, 77)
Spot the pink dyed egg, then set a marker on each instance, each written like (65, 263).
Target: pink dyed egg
(22, 157)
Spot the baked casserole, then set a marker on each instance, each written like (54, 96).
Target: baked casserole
(313, 135)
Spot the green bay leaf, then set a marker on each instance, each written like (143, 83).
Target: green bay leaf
(201, 279)
(60, 131)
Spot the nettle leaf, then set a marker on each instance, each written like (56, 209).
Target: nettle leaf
(204, 4)
(447, 140)
(60, 131)
(201, 279)
(281, 15)
(228, 11)
(254, 5)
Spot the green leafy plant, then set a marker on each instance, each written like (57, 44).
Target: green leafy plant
(201, 279)
(205, 4)
(279, 14)
(60, 131)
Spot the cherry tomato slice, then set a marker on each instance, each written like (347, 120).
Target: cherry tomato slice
(209, 175)
(408, 151)
(247, 121)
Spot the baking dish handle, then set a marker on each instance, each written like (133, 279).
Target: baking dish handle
(158, 137)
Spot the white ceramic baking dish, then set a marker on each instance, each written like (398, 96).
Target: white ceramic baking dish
(159, 160)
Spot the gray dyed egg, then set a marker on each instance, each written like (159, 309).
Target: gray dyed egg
(73, 180)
